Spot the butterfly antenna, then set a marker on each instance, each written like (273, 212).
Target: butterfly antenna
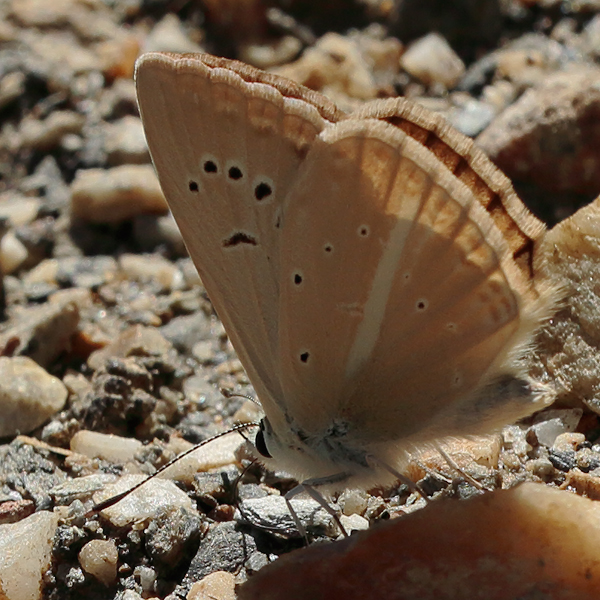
(100, 506)
(227, 394)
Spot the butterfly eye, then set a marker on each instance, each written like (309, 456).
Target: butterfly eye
(260, 443)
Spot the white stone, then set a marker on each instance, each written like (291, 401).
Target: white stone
(113, 448)
(169, 35)
(12, 253)
(25, 554)
(18, 209)
(431, 60)
(152, 267)
(353, 502)
(29, 395)
(354, 523)
(117, 194)
(146, 502)
(46, 134)
(44, 272)
(99, 558)
(125, 141)
(216, 454)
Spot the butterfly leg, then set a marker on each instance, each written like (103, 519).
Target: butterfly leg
(309, 486)
(476, 484)
(414, 487)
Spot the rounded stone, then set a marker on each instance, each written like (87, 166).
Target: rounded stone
(29, 395)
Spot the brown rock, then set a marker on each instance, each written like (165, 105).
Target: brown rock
(551, 135)
(41, 332)
(219, 585)
(14, 511)
(531, 541)
(566, 354)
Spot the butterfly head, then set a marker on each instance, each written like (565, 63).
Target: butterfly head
(333, 455)
(260, 442)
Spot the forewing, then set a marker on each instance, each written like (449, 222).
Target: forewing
(227, 141)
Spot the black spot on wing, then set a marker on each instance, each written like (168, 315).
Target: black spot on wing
(239, 237)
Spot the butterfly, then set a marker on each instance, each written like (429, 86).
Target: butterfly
(374, 271)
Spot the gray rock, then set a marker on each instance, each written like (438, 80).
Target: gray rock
(272, 513)
(224, 548)
(81, 488)
(171, 536)
(185, 331)
(85, 272)
(472, 117)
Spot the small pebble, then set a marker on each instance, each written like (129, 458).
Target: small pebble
(146, 502)
(272, 512)
(220, 452)
(541, 467)
(354, 523)
(432, 60)
(41, 332)
(353, 502)
(138, 340)
(125, 142)
(113, 448)
(29, 395)
(555, 423)
(47, 134)
(26, 551)
(12, 85)
(219, 585)
(117, 194)
(13, 253)
(146, 577)
(19, 210)
(146, 268)
(99, 558)
(169, 35)
(80, 488)
(568, 442)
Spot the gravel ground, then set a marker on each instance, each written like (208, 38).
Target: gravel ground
(112, 358)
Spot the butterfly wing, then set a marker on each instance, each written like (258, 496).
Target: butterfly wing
(400, 298)
(226, 141)
(491, 188)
